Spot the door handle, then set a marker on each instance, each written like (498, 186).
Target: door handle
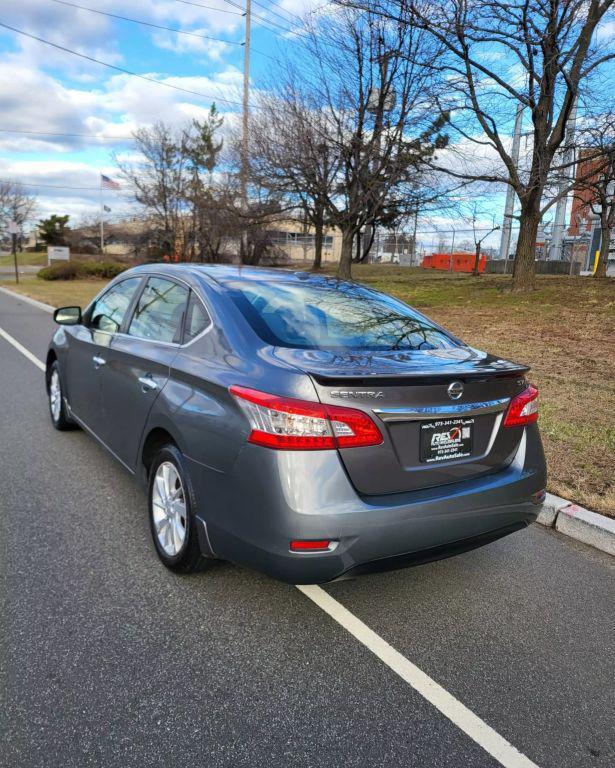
(98, 361)
(147, 383)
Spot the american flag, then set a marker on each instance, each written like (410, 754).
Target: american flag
(108, 183)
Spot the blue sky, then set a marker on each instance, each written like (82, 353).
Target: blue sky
(45, 89)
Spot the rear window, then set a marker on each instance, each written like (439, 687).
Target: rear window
(323, 314)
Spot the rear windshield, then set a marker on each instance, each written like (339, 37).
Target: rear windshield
(323, 314)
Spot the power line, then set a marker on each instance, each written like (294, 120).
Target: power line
(119, 69)
(262, 19)
(168, 29)
(147, 23)
(48, 186)
(288, 19)
(67, 135)
(210, 7)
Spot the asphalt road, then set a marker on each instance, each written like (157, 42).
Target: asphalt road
(108, 659)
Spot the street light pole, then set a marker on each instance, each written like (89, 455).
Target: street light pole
(245, 128)
(559, 221)
(509, 208)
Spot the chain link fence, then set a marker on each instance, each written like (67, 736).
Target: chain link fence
(410, 249)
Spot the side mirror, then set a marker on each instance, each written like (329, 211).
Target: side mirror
(67, 315)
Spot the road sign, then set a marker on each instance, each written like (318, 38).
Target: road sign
(57, 253)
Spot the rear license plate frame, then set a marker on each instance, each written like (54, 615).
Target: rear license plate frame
(446, 440)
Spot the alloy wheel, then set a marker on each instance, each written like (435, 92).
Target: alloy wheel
(55, 396)
(169, 508)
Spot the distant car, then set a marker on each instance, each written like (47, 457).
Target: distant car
(308, 428)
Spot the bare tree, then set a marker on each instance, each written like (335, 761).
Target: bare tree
(15, 204)
(354, 122)
(290, 154)
(479, 240)
(159, 179)
(594, 185)
(172, 179)
(497, 55)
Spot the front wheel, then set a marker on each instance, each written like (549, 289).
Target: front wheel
(172, 504)
(57, 405)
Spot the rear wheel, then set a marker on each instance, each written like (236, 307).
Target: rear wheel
(57, 405)
(172, 504)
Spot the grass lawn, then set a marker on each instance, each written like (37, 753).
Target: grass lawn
(58, 293)
(24, 259)
(565, 330)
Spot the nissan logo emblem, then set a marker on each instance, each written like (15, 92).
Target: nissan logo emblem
(455, 390)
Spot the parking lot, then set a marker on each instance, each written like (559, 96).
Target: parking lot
(111, 660)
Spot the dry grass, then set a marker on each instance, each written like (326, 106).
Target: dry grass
(58, 293)
(24, 259)
(565, 330)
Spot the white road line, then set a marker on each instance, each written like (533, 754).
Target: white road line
(442, 700)
(25, 352)
(491, 741)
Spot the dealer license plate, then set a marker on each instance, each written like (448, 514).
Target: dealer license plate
(446, 440)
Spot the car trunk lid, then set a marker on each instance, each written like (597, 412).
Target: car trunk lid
(439, 411)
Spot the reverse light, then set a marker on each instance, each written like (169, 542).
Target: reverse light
(301, 425)
(522, 409)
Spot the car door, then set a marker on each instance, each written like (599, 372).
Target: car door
(88, 352)
(139, 361)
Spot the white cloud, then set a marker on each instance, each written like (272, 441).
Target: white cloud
(184, 44)
(66, 186)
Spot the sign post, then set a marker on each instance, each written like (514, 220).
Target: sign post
(13, 232)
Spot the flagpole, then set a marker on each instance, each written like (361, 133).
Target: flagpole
(102, 226)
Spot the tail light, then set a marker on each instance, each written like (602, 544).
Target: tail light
(522, 409)
(301, 425)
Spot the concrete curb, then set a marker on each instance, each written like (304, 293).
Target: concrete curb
(27, 299)
(579, 523)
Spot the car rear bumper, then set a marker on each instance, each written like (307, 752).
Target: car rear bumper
(273, 497)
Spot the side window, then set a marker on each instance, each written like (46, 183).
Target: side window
(108, 311)
(159, 311)
(197, 319)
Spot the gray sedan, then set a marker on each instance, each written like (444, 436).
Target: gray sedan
(308, 428)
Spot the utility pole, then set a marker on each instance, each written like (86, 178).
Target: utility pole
(379, 102)
(102, 217)
(13, 232)
(509, 208)
(245, 129)
(559, 222)
(14, 250)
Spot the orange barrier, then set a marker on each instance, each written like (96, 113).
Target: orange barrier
(462, 261)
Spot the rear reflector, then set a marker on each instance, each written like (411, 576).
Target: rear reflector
(310, 546)
(523, 409)
(300, 425)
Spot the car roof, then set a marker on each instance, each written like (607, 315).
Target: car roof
(224, 273)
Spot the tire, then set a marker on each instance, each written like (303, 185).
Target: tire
(57, 406)
(172, 522)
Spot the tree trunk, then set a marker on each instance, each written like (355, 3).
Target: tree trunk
(318, 228)
(603, 259)
(475, 271)
(524, 270)
(344, 267)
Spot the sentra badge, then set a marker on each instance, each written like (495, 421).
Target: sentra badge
(357, 394)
